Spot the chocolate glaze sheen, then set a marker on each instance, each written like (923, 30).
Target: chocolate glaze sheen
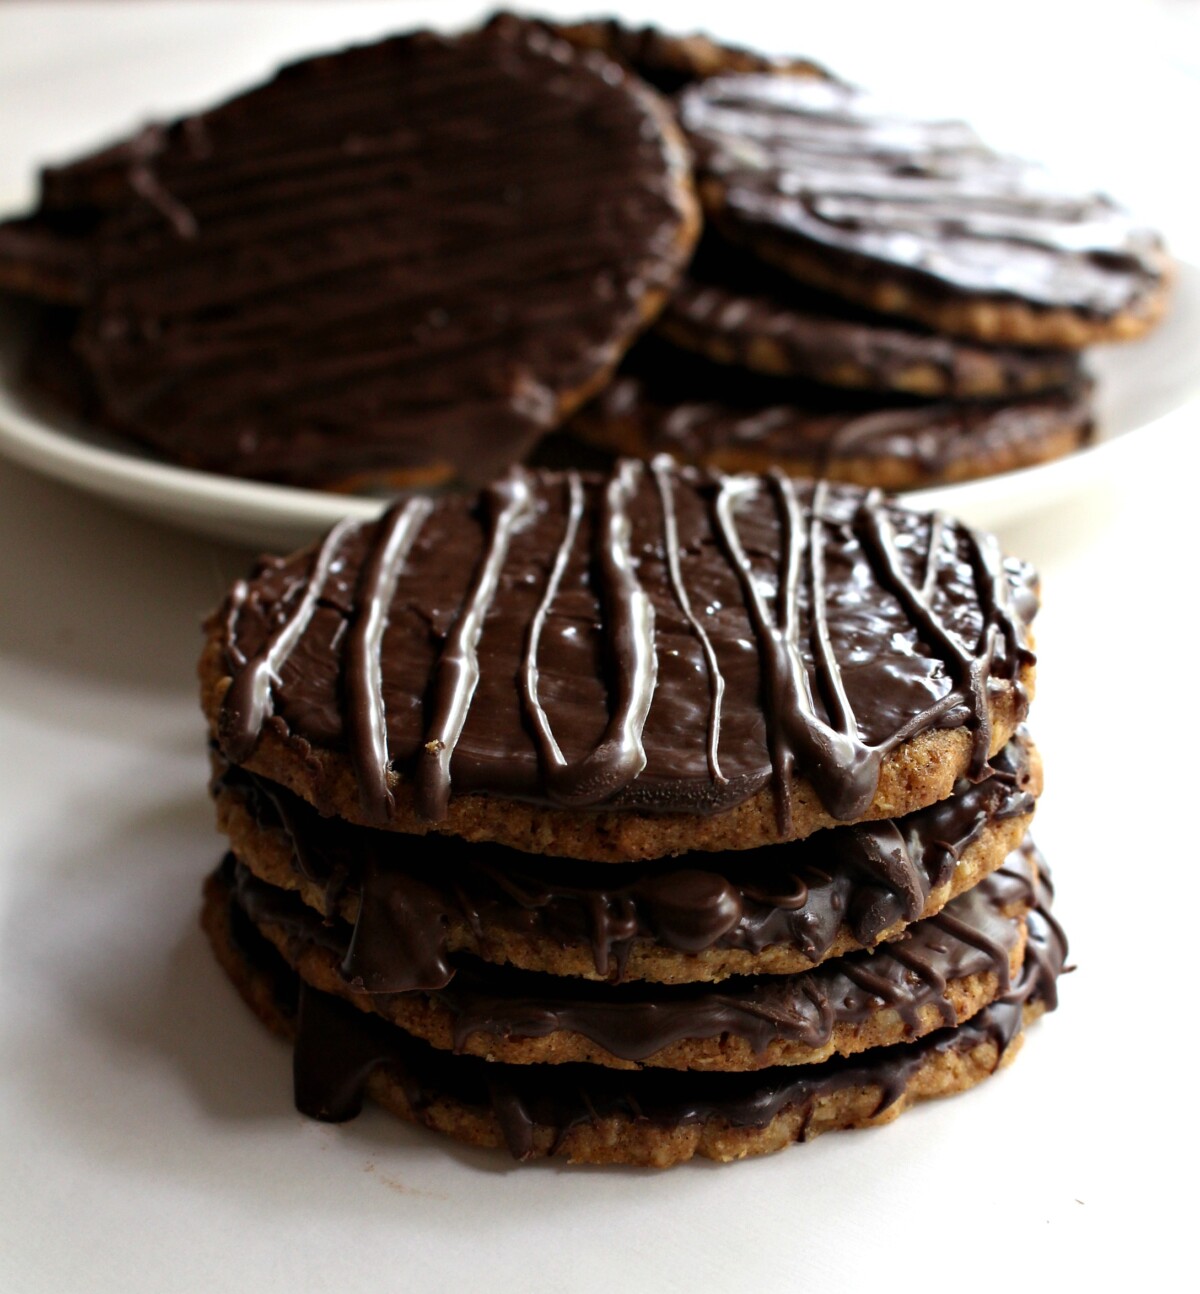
(823, 166)
(663, 638)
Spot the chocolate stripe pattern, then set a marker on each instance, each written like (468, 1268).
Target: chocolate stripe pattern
(824, 168)
(665, 637)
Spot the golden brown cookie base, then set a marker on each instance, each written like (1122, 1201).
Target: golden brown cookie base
(268, 853)
(996, 320)
(622, 1140)
(914, 775)
(426, 1018)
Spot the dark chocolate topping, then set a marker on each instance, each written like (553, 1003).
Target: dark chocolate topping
(705, 413)
(863, 878)
(738, 310)
(413, 256)
(337, 1047)
(973, 935)
(663, 638)
(822, 166)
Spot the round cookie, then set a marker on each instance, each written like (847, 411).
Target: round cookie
(626, 667)
(777, 910)
(588, 1115)
(917, 218)
(947, 968)
(397, 265)
(734, 310)
(665, 401)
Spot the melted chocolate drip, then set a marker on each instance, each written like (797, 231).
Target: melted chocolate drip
(339, 1044)
(821, 166)
(836, 627)
(973, 935)
(864, 877)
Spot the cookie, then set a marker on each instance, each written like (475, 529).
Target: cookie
(917, 218)
(664, 401)
(627, 667)
(734, 310)
(779, 909)
(947, 968)
(400, 264)
(669, 62)
(590, 1115)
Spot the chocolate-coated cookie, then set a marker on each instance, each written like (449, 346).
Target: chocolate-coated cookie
(735, 310)
(626, 667)
(917, 218)
(947, 968)
(590, 1115)
(398, 264)
(415, 902)
(666, 401)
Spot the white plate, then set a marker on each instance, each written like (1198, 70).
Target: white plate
(1141, 387)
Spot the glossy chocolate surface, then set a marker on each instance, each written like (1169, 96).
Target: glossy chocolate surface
(823, 167)
(662, 638)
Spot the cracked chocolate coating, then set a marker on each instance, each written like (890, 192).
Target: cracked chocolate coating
(402, 260)
(863, 878)
(662, 637)
(824, 167)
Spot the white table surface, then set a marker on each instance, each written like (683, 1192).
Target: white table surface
(149, 1141)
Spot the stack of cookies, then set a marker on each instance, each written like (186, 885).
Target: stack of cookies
(632, 817)
(410, 264)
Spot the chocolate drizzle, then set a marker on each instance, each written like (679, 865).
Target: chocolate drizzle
(976, 934)
(821, 167)
(381, 569)
(861, 879)
(629, 617)
(457, 672)
(836, 627)
(338, 1046)
(248, 701)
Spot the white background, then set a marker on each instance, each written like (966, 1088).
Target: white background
(149, 1143)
